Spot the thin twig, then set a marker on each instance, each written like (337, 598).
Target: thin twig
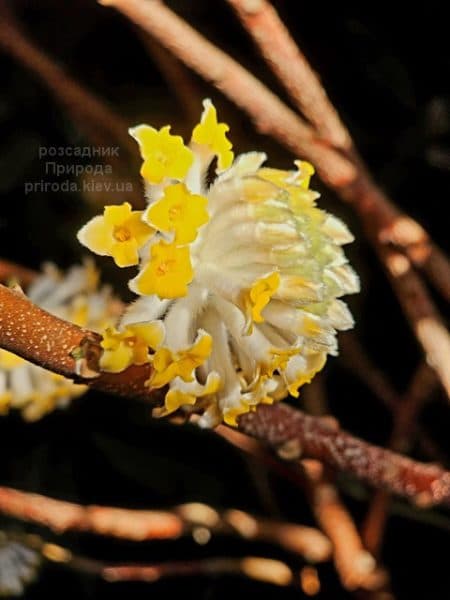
(294, 72)
(356, 359)
(84, 106)
(177, 77)
(98, 122)
(357, 568)
(268, 570)
(420, 312)
(61, 516)
(270, 115)
(408, 408)
(292, 69)
(198, 520)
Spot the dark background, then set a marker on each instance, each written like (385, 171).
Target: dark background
(388, 75)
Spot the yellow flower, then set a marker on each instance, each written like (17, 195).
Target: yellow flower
(304, 173)
(167, 274)
(130, 346)
(213, 134)
(164, 154)
(258, 296)
(311, 364)
(119, 233)
(168, 364)
(182, 393)
(178, 211)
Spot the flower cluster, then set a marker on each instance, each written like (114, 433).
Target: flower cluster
(74, 297)
(239, 280)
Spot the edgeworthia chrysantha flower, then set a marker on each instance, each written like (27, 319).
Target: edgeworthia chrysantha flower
(239, 280)
(75, 297)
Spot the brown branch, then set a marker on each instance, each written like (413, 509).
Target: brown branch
(258, 568)
(61, 516)
(290, 66)
(81, 103)
(279, 426)
(294, 72)
(268, 112)
(387, 225)
(12, 271)
(198, 520)
(355, 358)
(408, 408)
(357, 568)
(100, 124)
(267, 570)
(420, 312)
(177, 77)
(46, 340)
(382, 220)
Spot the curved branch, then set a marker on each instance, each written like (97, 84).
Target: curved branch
(270, 115)
(46, 340)
(294, 72)
(282, 427)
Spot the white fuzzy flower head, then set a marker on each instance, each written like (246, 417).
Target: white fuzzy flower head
(74, 297)
(18, 567)
(240, 280)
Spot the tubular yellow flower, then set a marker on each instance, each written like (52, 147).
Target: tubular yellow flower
(167, 274)
(245, 274)
(164, 154)
(167, 364)
(119, 233)
(209, 132)
(258, 296)
(178, 211)
(183, 393)
(129, 346)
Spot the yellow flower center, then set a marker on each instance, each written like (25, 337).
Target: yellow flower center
(121, 233)
(175, 211)
(165, 267)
